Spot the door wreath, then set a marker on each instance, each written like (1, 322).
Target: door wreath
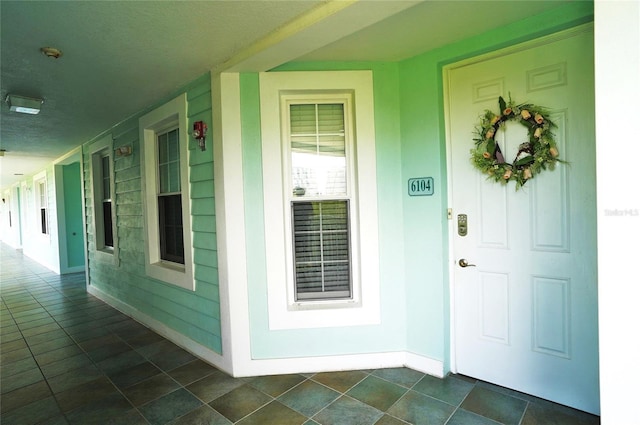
(538, 153)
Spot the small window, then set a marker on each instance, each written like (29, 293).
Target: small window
(320, 199)
(106, 201)
(42, 206)
(105, 240)
(164, 143)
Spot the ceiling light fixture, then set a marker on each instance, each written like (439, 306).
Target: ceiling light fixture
(25, 105)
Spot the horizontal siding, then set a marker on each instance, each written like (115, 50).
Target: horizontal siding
(194, 314)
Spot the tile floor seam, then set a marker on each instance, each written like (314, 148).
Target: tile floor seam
(249, 414)
(77, 344)
(120, 390)
(524, 412)
(292, 388)
(396, 402)
(341, 394)
(357, 401)
(44, 377)
(334, 389)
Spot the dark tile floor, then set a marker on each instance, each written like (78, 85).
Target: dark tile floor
(68, 358)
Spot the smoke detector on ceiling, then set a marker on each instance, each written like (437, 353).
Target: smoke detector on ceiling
(51, 52)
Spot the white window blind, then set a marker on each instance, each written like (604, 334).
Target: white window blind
(321, 240)
(320, 205)
(318, 154)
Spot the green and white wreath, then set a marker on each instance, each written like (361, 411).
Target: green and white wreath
(539, 153)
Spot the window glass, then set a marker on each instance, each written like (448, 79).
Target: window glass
(320, 226)
(106, 178)
(42, 195)
(107, 221)
(321, 249)
(169, 198)
(108, 224)
(169, 162)
(170, 220)
(318, 156)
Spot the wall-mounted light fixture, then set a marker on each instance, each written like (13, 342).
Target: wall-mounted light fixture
(124, 151)
(200, 132)
(25, 105)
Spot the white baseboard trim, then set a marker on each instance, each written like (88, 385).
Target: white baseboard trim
(422, 364)
(260, 367)
(177, 338)
(425, 364)
(335, 363)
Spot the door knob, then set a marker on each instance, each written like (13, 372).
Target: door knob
(464, 263)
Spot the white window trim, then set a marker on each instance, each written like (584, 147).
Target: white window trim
(41, 177)
(98, 149)
(173, 112)
(364, 307)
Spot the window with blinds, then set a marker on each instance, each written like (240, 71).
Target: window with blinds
(105, 235)
(320, 202)
(170, 198)
(42, 205)
(107, 217)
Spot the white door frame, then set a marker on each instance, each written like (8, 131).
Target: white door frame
(446, 71)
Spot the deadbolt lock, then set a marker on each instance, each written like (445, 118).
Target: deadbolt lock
(462, 224)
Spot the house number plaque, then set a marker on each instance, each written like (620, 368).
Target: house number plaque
(421, 186)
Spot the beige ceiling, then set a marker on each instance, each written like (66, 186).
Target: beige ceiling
(119, 57)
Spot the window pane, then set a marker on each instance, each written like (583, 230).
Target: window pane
(106, 182)
(173, 148)
(163, 148)
(169, 162)
(170, 227)
(174, 177)
(318, 154)
(303, 119)
(163, 175)
(108, 224)
(43, 194)
(43, 220)
(331, 118)
(321, 251)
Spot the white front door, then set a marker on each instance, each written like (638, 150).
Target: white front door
(525, 316)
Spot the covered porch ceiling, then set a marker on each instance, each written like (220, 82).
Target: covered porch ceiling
(120, 57)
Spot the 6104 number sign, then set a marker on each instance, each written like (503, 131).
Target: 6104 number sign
(421, 186)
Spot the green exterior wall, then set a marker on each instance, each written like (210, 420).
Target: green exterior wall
(413, 231)
(193, 314)
(410, 142)
(389, 335)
